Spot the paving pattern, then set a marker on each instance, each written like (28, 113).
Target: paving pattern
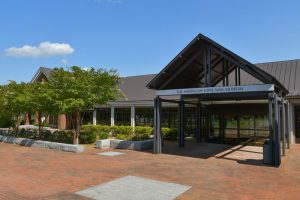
(135, 188)
(213, 171)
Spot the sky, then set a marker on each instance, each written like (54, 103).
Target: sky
(139, 36)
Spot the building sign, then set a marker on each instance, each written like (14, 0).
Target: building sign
(216, 90)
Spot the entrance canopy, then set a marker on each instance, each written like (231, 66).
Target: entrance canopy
(205, 63)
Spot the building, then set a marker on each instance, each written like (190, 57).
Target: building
(233, 116)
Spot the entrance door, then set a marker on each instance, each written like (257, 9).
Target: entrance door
(297, 124)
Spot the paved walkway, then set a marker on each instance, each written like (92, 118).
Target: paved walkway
(33, 173)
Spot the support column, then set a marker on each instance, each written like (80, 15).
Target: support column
(288, 125)
(181, 123)
(276, 145)
(271, 126)
(95, 117)
(283, 137)
(157, 126)
(198, 122)
(112, 116)
(132, 114)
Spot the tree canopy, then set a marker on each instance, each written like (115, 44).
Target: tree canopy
(70, 92)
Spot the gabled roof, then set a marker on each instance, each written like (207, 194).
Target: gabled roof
(286, 72)
(42, 71)
(186, 70)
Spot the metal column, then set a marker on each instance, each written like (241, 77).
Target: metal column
(276, 144)
(198, 122)
(181, 123)
(283, 135)
(157, 126)
(271, 126)
(288, 124)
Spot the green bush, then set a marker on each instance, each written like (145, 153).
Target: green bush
(124, 130)
(62, 137)
(142, 133)
(5, 121)
(123, 137)
(87, 137)
(103, 135)
(169, 133)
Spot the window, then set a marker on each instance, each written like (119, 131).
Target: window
(103, 116)
(170, 117)
(144, 116)
(122, 117)
(87, 117)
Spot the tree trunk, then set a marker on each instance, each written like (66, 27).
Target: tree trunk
(78, 127)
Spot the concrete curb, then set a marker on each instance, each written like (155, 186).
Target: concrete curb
(42, 144)
(125, 144)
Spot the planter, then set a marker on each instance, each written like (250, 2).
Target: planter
(125, 144)
(103, 144)
(43, 144)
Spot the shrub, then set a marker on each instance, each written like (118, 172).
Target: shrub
(169, 133)
(142, 133)
(87, 137)
(123, 137)
(124, 130)
(102, 136)
(62, 137)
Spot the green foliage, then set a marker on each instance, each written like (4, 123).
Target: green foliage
(5, 120)
(61, 136)
(142, 133)
(124, 130)
(169, 133)
(89, 132)
(78, 90)
(87, 137)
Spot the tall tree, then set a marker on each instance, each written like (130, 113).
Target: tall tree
(78, 90)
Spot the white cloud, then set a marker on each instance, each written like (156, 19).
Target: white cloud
(44, 49)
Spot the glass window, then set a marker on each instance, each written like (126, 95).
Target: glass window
(246, 126)
(190, 120)
(103, 116)
(144, 116)
(262, 125)
(215, 126)
(122, 117)
(87, 117)
(170, 117)
(231, 126)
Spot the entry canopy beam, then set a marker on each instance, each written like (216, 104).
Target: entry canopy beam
(217, 90)
(183, 65)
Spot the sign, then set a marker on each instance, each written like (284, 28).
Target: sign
(217, 90)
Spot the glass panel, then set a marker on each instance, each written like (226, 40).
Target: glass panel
(190, 120)
(103, 116)
(87, 117)
(215, 126)
(231, 126)
(262, 126)
(246, 126)
(144, 116)
(170, 117)
(122, 117)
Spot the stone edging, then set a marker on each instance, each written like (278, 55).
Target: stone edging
(125, 144)
(42, 144)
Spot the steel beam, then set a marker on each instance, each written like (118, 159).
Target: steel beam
(288, 125)
(271, 126)
(157, 126)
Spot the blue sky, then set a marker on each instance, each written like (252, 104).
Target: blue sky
(139, 36)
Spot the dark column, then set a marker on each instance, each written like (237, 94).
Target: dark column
(238, 127)
(276, 145)
(181, 123)
(271, 125)
(198, 122)
(157, 125)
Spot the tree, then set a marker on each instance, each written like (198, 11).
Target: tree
(41, 101)
(79, 90)
(14, 102)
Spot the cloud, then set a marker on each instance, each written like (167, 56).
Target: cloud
(44, 49)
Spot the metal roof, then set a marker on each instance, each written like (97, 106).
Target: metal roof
(45, 71)
(286, 72)
(186, 70)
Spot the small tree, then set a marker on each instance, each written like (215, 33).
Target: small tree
(14, 102)
(78, 90)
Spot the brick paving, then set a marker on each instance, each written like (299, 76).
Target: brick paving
(33, 173)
